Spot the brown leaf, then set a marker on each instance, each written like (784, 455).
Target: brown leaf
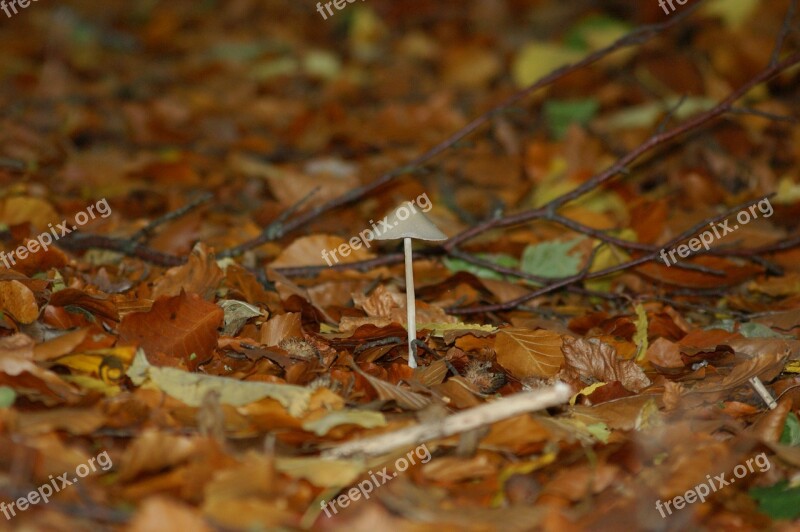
(153, 451)
(592, 360)
(177, 327)
(665, 354)
(200, 275)
(456, 469)
(766, 367)
(381, 302)
(161, 513)
(281, 327)
(98, 304)
(60, 345)
(386, 391)
(18, 300)
(769, 427)
(618, 414)
(19, 372)
(308, 251)
(757, 346)
(525, 353)
(575, 483)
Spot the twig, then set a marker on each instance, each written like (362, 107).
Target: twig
(600, 273)
(145, 232)
(783, 33)
(271, 232)
(636, 37)
(466, 420)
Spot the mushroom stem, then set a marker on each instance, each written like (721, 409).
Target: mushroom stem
(411, 322)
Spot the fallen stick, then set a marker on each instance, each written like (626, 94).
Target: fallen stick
(457, 423)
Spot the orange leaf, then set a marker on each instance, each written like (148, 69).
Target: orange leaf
(525, 353)
(17, 300)
(200, 275)
(177, 326)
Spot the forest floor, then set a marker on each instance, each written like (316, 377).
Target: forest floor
(202, 328)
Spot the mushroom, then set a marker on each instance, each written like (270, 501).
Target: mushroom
(413, 224)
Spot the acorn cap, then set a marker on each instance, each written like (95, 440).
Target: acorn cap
(415, 225)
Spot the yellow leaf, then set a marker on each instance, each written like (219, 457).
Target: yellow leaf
(438, 329)
(788, 191)
(733, 13)
(362, 418)
(586, 391)
(537, 59)
(108, 364)
(792, 367)
(321, 472)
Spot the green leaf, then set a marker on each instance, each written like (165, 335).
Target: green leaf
(459, 265)
(551, 259)
(600, 431)
(778, 501)
(560, 114)
(791, 431)
(7, 396)
(748, 330)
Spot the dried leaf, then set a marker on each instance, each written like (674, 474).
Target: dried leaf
(388, 391)
(361, 418)
(525, 353)
(281, 327)
(191, 388)
(18, 300)
(178, 327)
(200, 275)
(592, 360)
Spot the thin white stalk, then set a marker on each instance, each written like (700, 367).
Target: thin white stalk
(411, 309)
(473, 418)
(763, 392)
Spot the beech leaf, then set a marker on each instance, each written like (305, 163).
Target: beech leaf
(526, 353)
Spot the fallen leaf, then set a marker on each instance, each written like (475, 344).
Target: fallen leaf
(178, 327)
(525, 353)
(592, 360)
(18, 300)
(200, 275)
(191, 388)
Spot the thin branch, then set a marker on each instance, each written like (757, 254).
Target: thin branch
(463, 421)
(636, 37)
(145, 232)
(623, 162)
(508, 305)
(783, 32)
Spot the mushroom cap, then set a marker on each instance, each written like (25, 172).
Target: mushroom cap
(414, 224)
